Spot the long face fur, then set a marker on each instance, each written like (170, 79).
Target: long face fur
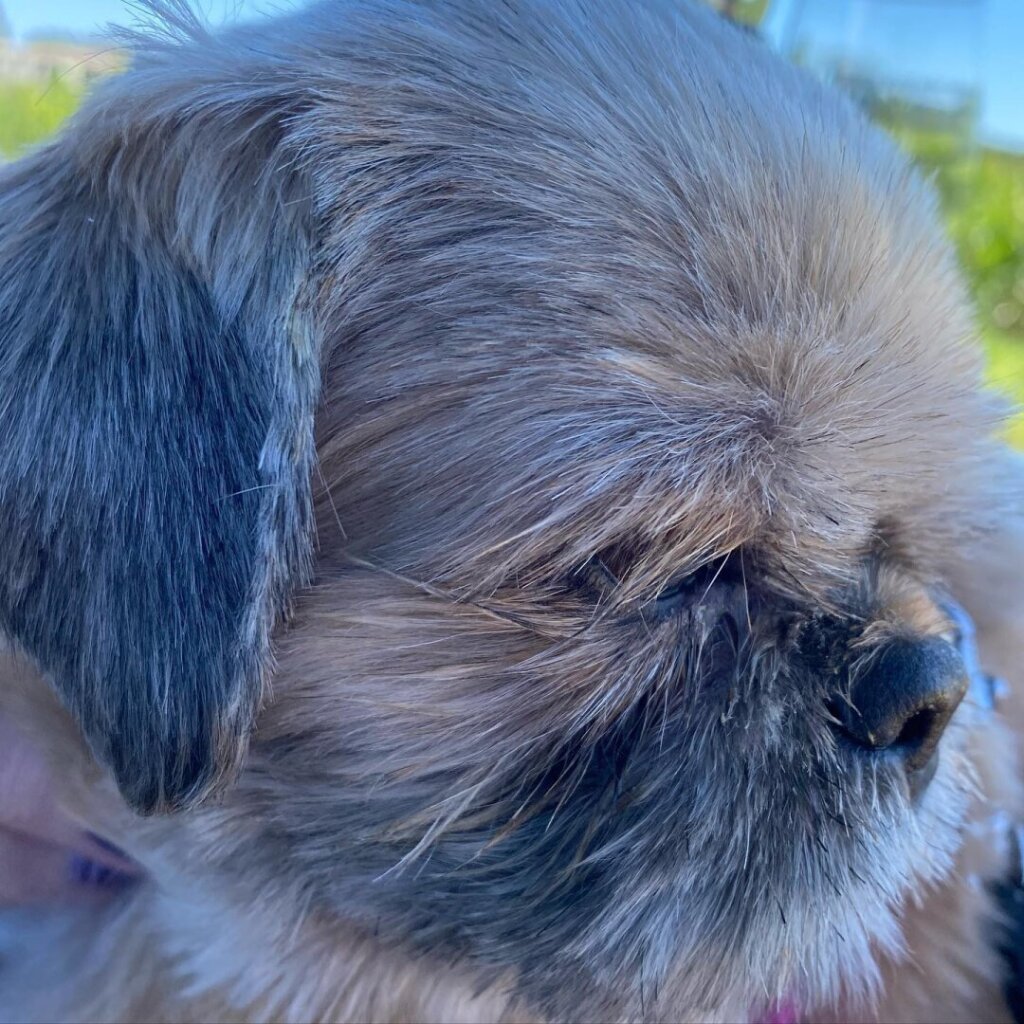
(649, 415)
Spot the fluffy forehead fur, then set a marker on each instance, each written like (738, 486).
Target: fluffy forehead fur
(691, 299)
(493, 294)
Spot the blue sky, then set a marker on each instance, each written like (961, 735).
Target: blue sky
(1000, 36)
(90, 15)
(981, 40)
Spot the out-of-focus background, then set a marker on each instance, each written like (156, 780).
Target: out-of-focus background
(946, 77)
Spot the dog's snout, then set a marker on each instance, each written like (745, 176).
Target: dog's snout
(904, 699)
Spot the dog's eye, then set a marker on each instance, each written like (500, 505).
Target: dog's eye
(692, 586)
(960, 631)
(672, 596)
(599, 577)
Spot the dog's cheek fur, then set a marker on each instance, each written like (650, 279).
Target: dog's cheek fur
(986, 579)
(159, 373)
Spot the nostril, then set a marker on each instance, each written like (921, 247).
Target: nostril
(918, 730)
(920, 736)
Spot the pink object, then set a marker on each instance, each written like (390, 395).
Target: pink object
(784, 1013)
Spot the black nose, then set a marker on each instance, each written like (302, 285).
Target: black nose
(904, 698)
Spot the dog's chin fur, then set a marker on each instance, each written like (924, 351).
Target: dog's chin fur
(648, 414)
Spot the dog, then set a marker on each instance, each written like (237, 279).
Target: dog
(502, 520)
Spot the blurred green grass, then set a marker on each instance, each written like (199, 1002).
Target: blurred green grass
(982, 192)
(32, 111)
(1006, 372)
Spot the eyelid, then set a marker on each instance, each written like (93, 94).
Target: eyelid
(697, 581)
(596, 574)
(676, 587)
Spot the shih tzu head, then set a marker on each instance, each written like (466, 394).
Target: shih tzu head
(624, 381)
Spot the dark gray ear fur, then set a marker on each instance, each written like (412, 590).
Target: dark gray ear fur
(158, 373)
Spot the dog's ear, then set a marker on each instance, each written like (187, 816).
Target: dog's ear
(158, 375)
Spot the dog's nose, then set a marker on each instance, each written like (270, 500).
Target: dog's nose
(904, 698)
